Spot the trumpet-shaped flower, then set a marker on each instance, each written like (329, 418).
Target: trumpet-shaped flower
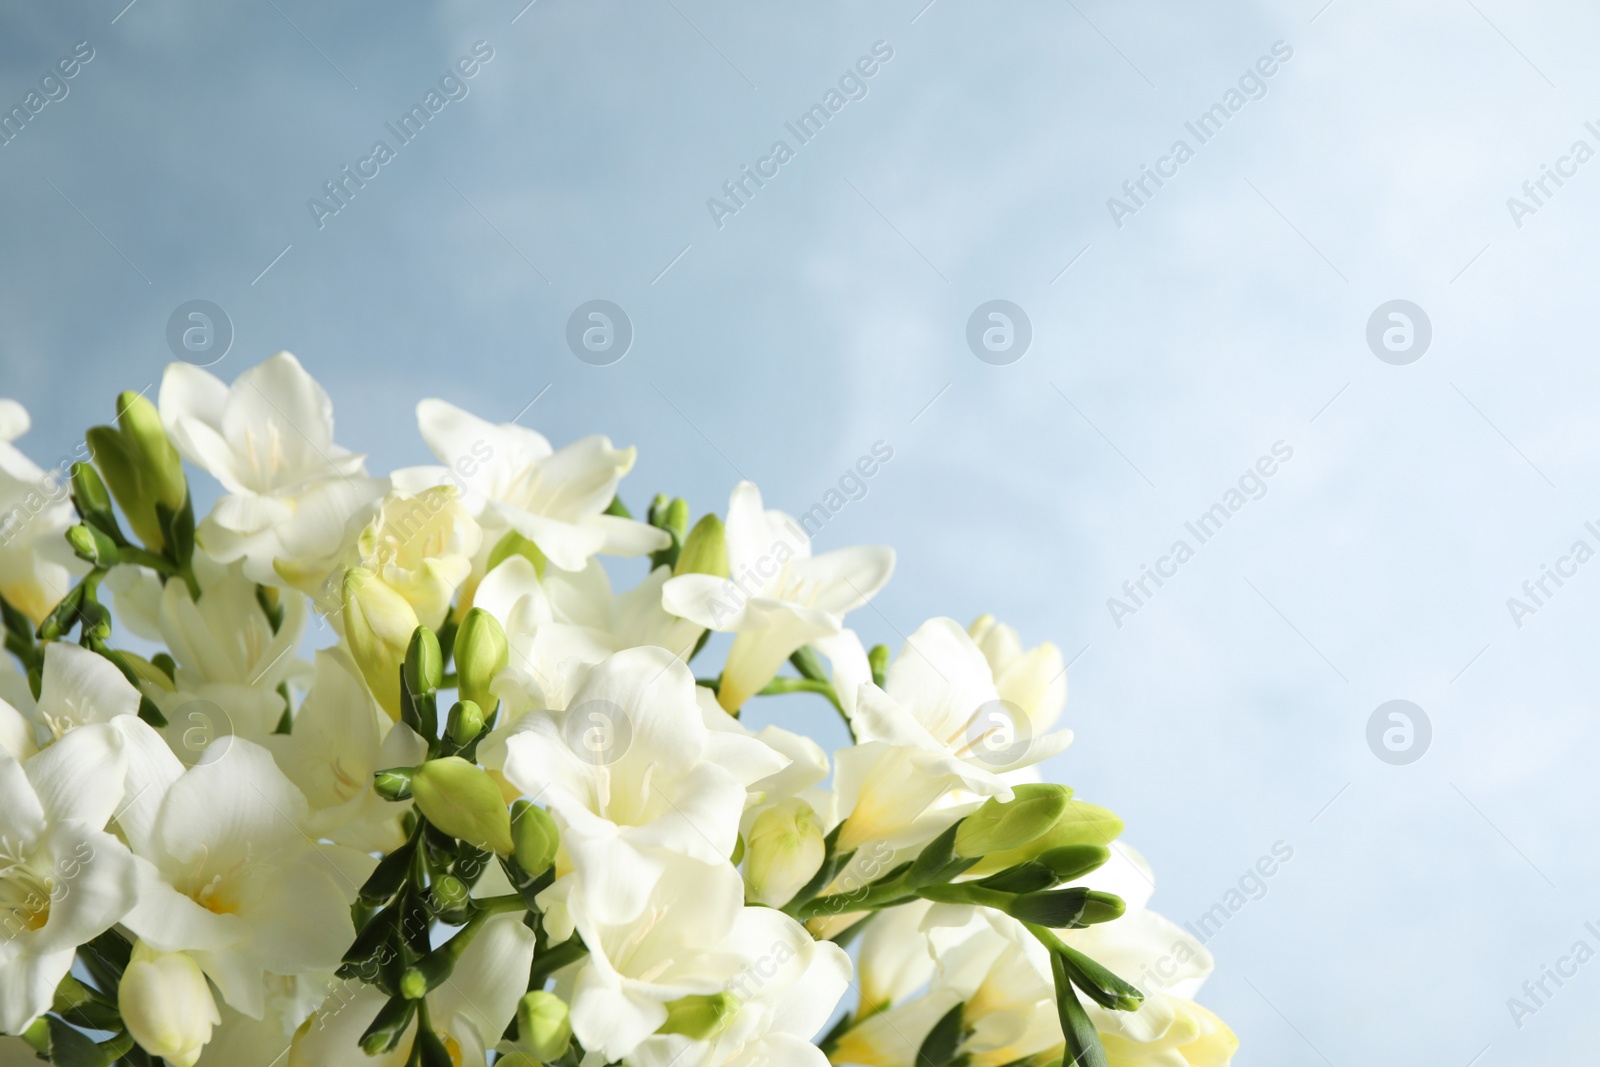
(421, 545)
(35, 566)
(268, 439)
(779, 1000)
(630, 768)
(1033, 679)
(227, 651)
(681, 944)
(934, 741)
(994, 969)
(778, 596)
(512, 478)
(341, 737)
(896, 958)
(228, 874)
(79, 687)
(560, 626)
(63, 879)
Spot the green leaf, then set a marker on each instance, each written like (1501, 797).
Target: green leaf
(943, 1043)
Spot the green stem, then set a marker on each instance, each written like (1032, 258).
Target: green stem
(555, 958)
(146, 558)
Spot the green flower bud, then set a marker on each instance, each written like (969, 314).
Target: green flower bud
(535, 838)
(481, 654)
(998, 825)
(378, 624)
(674, 519)
(1071, 862)
(89, 493)
(465, 723)
(671, 517)
(160, 469)
(383, 1034)
(544, 1027)
(121, 472)
(96, 619)
(424, 664)
(92, 546)
(878, 661)
(393, 784)
(1058, 909)
(1102, 908)
(413, 984)
(705, 550)
(784, 851)
(450, 893)
(514, 544)
(1080, 824)
(462, 800)
(1098, 983)
(700, 1017)
(1068, 909)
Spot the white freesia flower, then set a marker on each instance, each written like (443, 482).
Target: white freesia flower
(561, 625)
(933, 742)
(78, 687)
(681, 944)
(422, 545)
(896, 959)
(997, 972)
(240, 1041)
(629, 769)
(778, 596)
(63, 879)
(228, 655)
(468, 1012)
(341, 737)
(36, 567)
(228, 874)
(1034, 680)
(268, 439)
(512, 478)
(666, 834)
(783, 996)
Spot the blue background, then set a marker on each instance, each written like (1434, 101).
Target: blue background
(1230, 712)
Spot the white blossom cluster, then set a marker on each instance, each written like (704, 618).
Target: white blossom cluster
(499, 819)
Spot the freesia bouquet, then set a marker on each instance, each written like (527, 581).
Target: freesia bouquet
(499, 819)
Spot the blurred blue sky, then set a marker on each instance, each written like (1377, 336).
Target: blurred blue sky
(1228, 314)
